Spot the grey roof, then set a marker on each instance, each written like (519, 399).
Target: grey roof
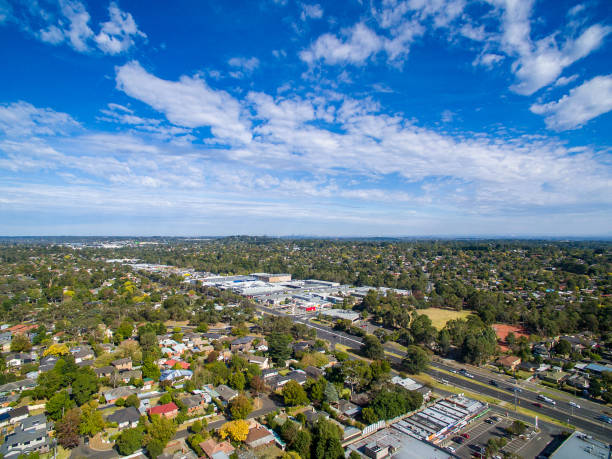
(123, 391)
(192, 400)
(104, 370)
(242, 340)
(121, 361)
(18, 385)
(33, 421)
(21, 437)
(18, 412)
(226, 393)
(130, 415)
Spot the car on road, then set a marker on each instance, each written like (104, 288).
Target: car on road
(538, 404)
(466, 435)
(493, 383)
(574, 404)
(516, 389)
(605, 418)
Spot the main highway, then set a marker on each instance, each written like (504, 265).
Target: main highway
(584, 418)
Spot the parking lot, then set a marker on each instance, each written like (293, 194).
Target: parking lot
(480, 431)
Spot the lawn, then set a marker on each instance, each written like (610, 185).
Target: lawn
(439, 316)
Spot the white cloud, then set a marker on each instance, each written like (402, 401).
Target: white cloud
(582, 104)
(78, 32)
(117, 35)
(189, 102)
(23, 119)
(243, 65)
(68, 21)
(488, 60)
(563, 81)
(311, 11)
(539, 63)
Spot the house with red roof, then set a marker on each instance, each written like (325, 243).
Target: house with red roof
(167, 410)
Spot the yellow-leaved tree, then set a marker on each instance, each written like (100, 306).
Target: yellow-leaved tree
(235, 430)
(56, 349)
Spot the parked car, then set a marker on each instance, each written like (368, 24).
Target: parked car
(459, 440)
(466, 435)
(450, 449)
(496, 418)
(489, 421)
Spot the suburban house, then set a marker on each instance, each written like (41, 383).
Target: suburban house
(226, 393)
(82, 353)
(120, 392)
(127, 417)
(212, 449)
(241, 344)
(23, 442)
(122, 364)
(510, 362)
(127, 375)
(18, 414)
(194, 403)
(167, 410)
(259, 436)
(262, 362)
(105, 372)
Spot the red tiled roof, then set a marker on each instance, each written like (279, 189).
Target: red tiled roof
(163, 409)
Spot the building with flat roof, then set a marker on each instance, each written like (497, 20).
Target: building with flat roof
(393, 442)
(436, 422)
(581, 446)
(342, 314)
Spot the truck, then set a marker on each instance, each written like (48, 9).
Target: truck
(546, 399)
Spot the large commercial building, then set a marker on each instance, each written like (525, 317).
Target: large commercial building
(272, 278)
(582, 446)
(438, 421)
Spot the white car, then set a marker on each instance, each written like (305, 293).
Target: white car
(574, 404)
(450, 449)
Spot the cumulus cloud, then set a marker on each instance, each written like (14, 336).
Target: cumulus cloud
(355, 46)
(539, 63)
(244, 66)
(117, 35)
(583, 103)
(311, 11)
(189, 102)
(68, 21)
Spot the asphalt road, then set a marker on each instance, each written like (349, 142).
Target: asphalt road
(584, 418)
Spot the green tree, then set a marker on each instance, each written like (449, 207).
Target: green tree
(279, 347)
(20, 343)
(85, 385)
(294, 394)
(132, 400)
(416, 360)
(129, 441)
(563, 347)
(237, 380)
(302, 443)
(240, 407)
(58, 405)
(91, 419)
(372, 348)
(326, 443)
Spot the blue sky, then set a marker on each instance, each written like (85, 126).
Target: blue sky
(353, 118)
